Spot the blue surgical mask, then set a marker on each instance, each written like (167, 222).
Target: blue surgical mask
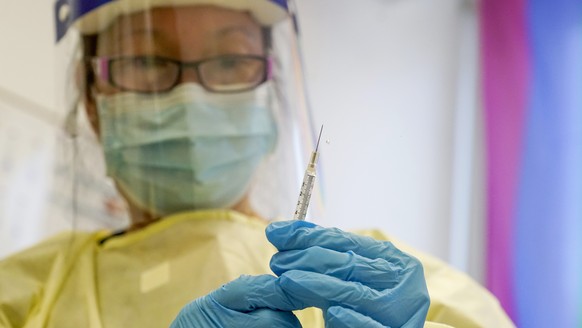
(187, 149)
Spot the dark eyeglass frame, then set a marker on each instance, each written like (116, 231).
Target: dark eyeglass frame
(101, 67)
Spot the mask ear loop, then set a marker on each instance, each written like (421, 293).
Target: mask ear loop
(71, 127)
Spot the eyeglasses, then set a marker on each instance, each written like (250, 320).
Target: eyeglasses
(154, 74)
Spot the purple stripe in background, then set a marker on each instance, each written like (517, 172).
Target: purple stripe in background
(549, 232)
(505, 66)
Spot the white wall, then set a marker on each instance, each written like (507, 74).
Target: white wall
(27, 59)
(383, 78)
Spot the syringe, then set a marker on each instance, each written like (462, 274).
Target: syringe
(307, 185)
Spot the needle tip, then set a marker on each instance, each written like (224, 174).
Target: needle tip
(319, 138)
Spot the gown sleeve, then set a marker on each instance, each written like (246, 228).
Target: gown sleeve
(23, 276)
(455, 298)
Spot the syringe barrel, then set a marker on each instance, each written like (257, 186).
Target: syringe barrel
(305, 195)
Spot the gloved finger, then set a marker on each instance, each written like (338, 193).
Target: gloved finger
(340, 317)
(292, 235)
(378, 274)
(407, 302)
(266, 318)
(314, 289)
(248, 293)
(206, 312)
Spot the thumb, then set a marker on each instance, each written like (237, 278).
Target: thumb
(248, 293)
(340, 317)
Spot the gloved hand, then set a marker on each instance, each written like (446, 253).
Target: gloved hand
(357, 281)
(249, 301)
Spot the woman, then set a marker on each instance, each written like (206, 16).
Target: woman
(196, 107)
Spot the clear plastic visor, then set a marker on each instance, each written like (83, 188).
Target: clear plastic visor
(190, 107)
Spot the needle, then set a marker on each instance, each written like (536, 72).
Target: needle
(319, 138)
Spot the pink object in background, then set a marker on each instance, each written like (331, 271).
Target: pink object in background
(505, 85)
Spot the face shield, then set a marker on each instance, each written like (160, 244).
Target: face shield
(185, 105)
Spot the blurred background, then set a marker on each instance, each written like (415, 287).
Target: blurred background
(455, 126)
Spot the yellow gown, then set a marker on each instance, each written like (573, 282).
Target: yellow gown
(144, 278)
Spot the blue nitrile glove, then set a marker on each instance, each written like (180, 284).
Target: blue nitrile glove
(249, 301)
(357, 281)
